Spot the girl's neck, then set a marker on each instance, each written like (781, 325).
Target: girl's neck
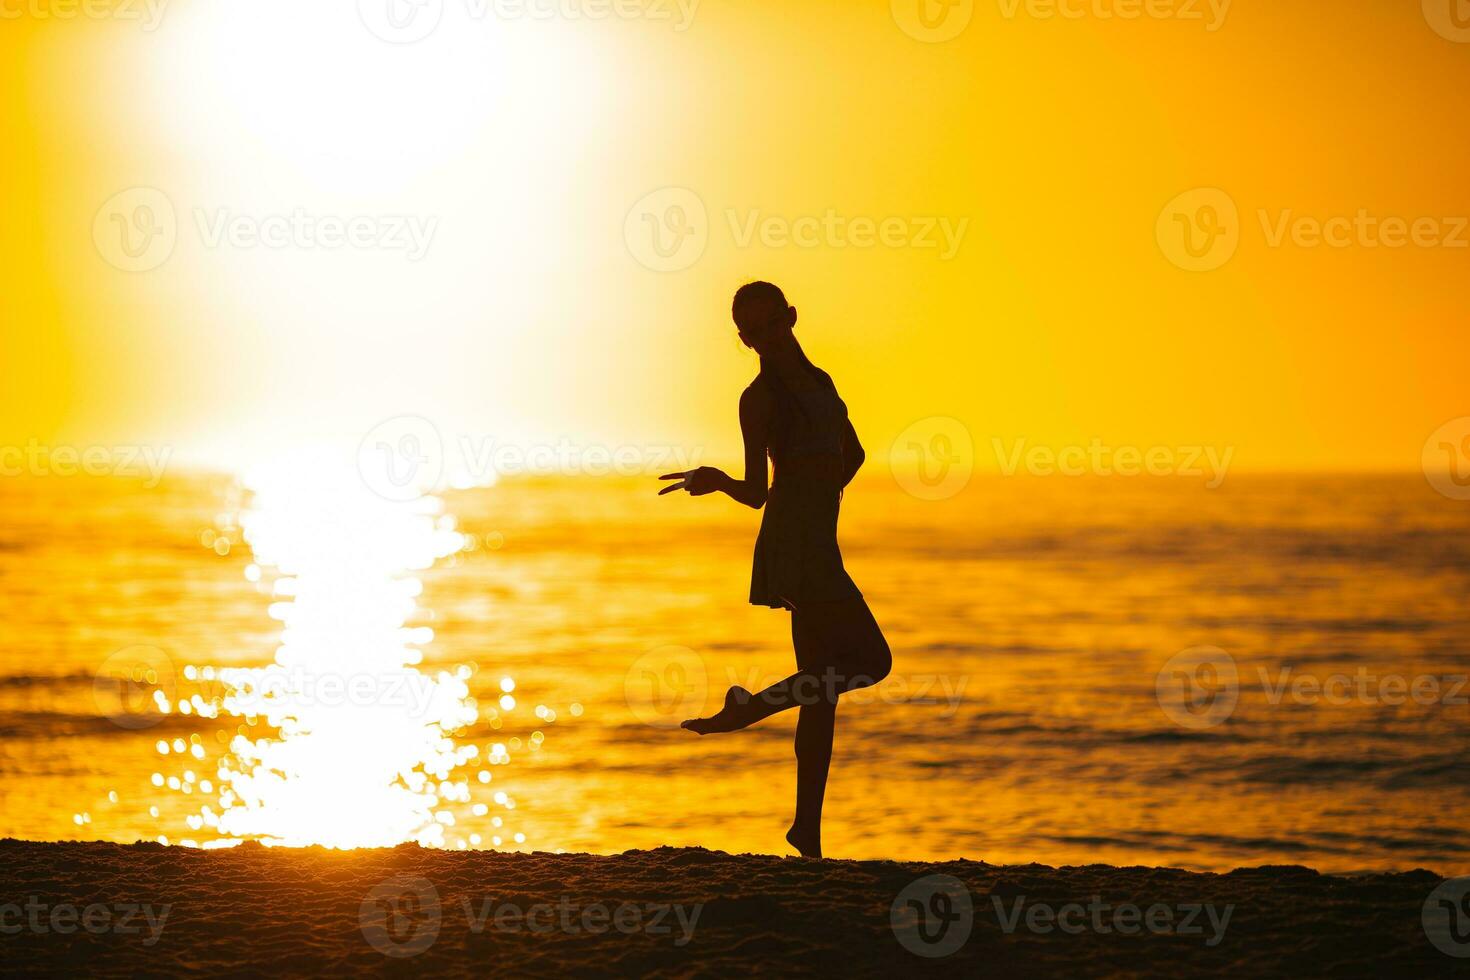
(787, 356)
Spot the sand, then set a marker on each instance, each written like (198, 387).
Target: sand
(111, 909)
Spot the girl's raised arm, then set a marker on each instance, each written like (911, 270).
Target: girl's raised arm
(755, 422)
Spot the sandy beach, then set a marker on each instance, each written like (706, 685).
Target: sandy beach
(113, 910)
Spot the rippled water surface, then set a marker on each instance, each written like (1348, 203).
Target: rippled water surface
(1030, 620)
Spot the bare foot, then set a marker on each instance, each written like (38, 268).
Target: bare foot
(728, 719)
(810, 845)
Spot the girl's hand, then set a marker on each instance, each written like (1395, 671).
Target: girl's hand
(705, 479)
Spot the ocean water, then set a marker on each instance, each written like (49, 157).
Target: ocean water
(1130, 671)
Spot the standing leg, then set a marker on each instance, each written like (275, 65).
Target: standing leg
(816, 721)
(840, 642)
(815, 724)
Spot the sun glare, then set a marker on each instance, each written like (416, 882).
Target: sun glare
(359, 746)
(454, 153)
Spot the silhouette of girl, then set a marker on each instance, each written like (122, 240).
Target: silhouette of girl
(792, 412)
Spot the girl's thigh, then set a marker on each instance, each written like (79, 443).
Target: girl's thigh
(841, 635)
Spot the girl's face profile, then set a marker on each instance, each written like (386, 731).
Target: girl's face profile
(757, 324)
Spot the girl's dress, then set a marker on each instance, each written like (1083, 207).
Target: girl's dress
(796, 556)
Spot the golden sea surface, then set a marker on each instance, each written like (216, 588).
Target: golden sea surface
(566, 625)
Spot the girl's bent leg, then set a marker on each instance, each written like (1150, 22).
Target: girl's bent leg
(839, 648)
(854, 649)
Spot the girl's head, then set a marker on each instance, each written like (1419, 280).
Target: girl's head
(763, 317)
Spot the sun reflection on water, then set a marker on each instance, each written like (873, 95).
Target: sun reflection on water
(345, 741)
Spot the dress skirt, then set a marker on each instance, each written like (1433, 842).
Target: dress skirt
(796, 555)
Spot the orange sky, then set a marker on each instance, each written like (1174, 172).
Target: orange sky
(1054, 142)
